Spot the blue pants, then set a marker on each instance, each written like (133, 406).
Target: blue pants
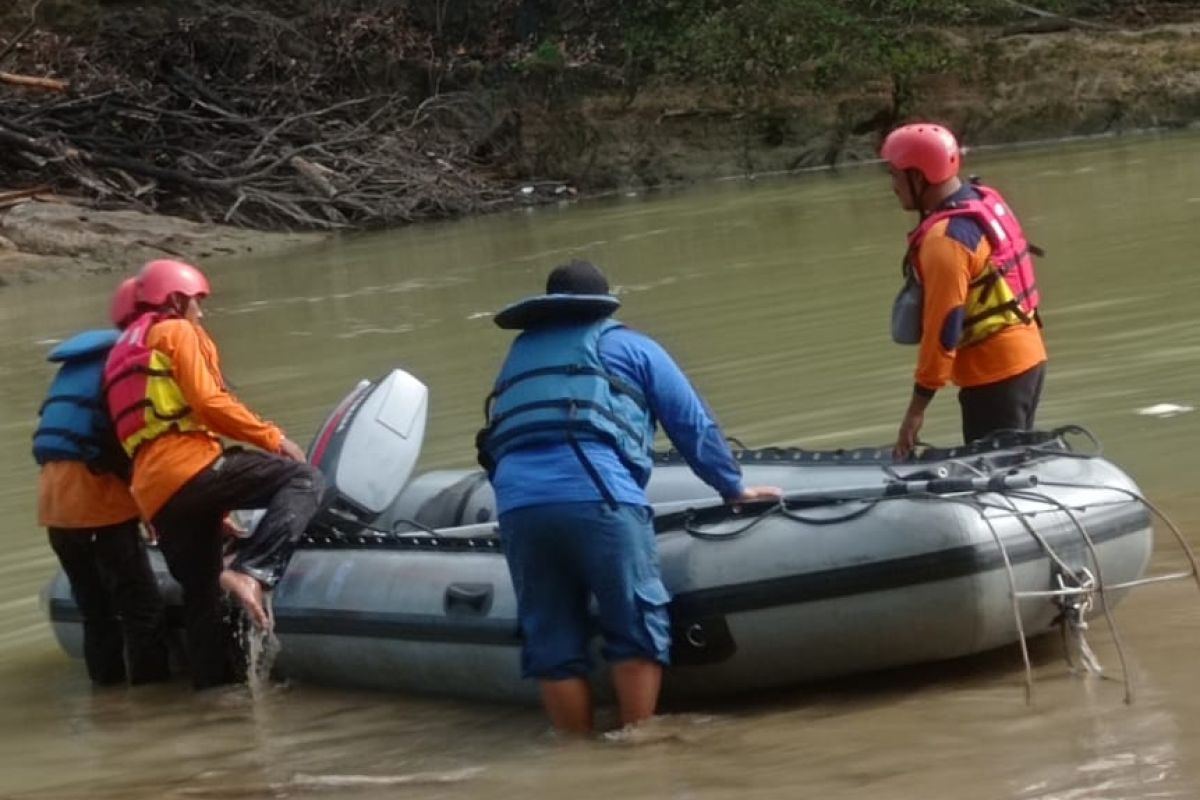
(560, 556)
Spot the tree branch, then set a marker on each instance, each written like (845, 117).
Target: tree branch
(1038, 12)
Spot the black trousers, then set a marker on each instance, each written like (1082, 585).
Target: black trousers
(1010, 404)
(190, 537)
(124, 633)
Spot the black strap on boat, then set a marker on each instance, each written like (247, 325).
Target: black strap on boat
(998, 446)
(692, 520)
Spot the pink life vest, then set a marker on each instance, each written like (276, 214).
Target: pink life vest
(1006, 292)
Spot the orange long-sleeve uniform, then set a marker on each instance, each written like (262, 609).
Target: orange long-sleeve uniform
(72, 496)
(951, 254)
(164, 464)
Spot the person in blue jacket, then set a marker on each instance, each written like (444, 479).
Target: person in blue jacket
(568, 448)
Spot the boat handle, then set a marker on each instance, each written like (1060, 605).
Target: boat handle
(468, 598)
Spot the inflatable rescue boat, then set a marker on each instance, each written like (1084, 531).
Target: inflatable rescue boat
(867, 563)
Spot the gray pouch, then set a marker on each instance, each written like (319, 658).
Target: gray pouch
(907, 310)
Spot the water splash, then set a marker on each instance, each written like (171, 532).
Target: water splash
(261, 648)
(662, 728)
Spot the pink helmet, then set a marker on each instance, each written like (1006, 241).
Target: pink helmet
(160, 279)
(930, 149)
(124, 303)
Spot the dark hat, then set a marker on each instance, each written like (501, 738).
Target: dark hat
(576, 293)
(577, 277)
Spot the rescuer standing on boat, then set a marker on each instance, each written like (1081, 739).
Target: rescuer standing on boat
(970, 299)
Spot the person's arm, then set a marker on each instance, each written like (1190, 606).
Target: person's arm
(678, 408)
(945, 275)
(210, 401)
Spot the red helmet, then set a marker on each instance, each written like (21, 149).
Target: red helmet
(124, 303)
(929, 149)
(160, 279)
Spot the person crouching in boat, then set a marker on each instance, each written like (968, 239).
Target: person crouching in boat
(92, 521)
(568, 449)
(970, 299)
(169, 405)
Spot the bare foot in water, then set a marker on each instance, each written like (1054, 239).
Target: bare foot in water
(249, 593)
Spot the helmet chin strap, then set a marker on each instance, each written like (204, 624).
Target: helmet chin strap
(918, 196)
(177, 305)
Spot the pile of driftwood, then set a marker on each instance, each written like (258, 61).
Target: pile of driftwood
(184, 136)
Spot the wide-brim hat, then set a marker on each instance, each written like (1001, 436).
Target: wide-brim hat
(576, 292)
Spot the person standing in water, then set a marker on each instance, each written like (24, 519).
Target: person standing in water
(170, 405)
(568, 448)
(92, 521)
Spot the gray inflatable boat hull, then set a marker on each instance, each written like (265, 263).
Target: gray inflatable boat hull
(825, 590)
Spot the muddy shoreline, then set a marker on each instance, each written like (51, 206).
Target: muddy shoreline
(45, 240)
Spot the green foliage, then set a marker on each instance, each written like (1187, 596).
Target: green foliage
(547, 54)
(821, 42)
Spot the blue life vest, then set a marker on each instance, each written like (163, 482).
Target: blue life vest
(74, 423)
(554, 389)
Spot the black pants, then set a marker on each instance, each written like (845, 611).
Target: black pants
(189, 530)
(124, 634)
(1010, 404)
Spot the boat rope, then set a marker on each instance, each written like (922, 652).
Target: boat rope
(1023, 517)
(693, 519)
(1014, 597)
(1074, 619)
(1189, 553)
(1100, 588)
(998, 449)
(1077, 587)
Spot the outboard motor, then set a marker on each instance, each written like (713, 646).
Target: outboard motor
(367, 449)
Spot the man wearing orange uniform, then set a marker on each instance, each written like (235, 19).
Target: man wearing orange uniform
(970, 301)
(169, 404)
(84, 502)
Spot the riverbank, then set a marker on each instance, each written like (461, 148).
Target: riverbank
(1005, 89)
(285, 116)
(44, 239)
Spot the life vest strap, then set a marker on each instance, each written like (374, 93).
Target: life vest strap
(1012, 306)
(68, 434)
(568, 404)
(569, 369)
(83, 401)
(568, 429)
(136, 369)
(148, 403)
(588, 467)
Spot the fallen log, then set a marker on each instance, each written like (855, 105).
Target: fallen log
(316, 175)
(12, 197)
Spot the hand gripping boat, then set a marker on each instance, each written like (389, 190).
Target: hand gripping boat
(866, 564)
